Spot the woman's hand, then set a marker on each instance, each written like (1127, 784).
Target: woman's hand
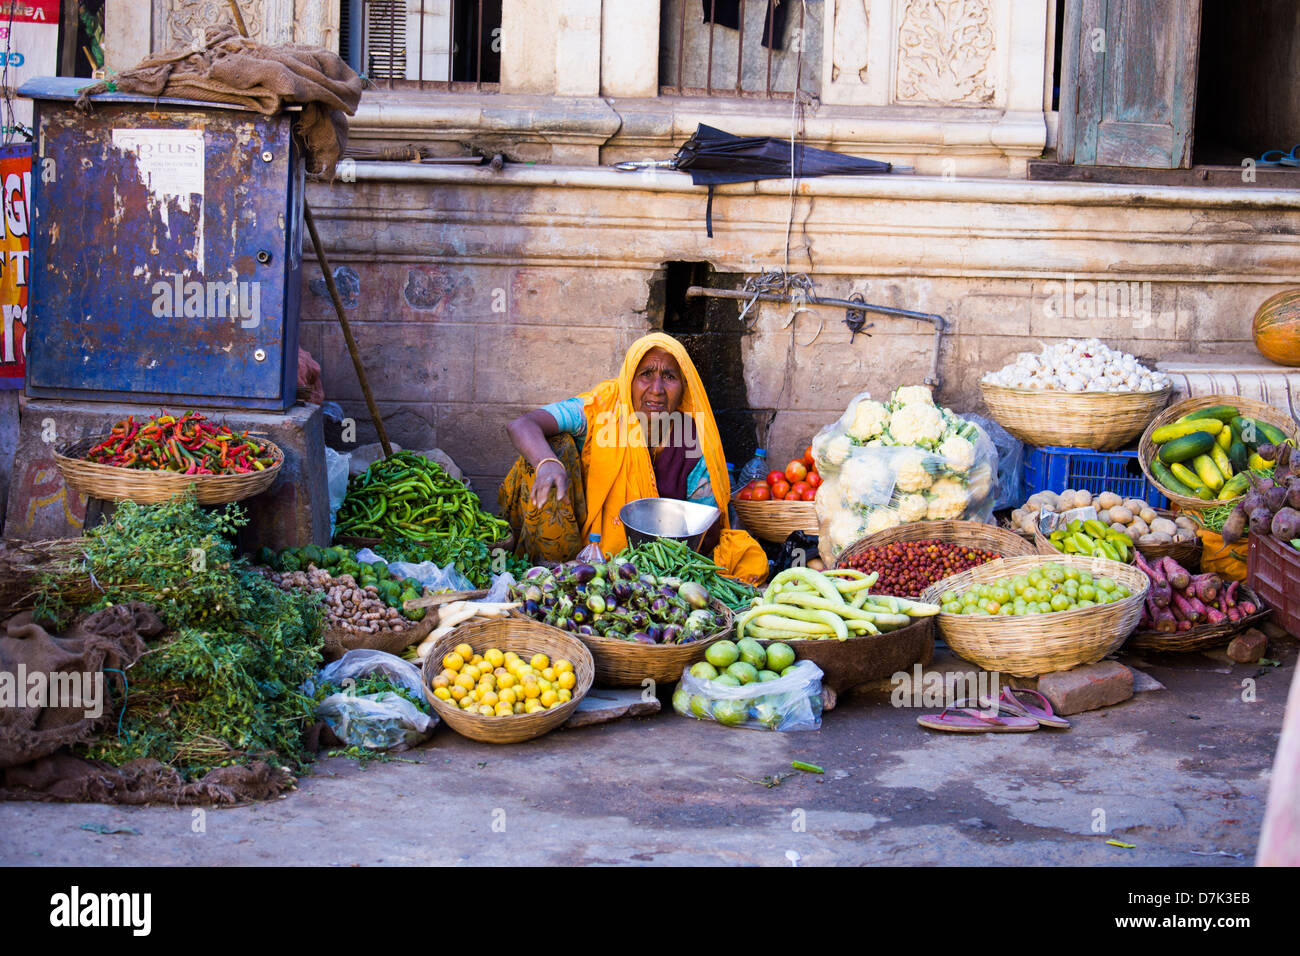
(550, 476)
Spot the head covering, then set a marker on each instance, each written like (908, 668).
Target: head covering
(616, 460)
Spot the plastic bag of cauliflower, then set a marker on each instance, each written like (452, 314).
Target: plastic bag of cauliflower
(889, 463)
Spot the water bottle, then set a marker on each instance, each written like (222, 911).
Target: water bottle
(592, 554)
(755, 470)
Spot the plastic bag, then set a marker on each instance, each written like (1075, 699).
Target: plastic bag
(499, 592)
(427, 573)
(1011, 462)
(885, 464)
(382, 721)
(336, 478)
(798, 547)
(792, 702)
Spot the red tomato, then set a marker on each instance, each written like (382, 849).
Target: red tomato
(808, 458)
(774, 476)
(796, 471)
(746, 494)
(800, 487)
(810, 494)
(760, 493)
(814, 479)
(794, 496)
(780, 489)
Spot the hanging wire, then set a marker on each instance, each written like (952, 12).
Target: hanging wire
(11, 126)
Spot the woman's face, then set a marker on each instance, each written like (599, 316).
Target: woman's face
(657, 387)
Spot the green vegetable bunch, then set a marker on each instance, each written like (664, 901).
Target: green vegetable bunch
(220, 686)
(471, 556)
(667, 558)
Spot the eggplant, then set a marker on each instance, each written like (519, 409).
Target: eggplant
(532, 609)
(596, 604)
(534, 574)
(583, 573)
(563, 623)
(1261, 521)
(581, 615)
(696, 595)
(627, 571)
(672, 634)
(638, 619)
(622, 591)
(587, 631)
(656, 632)
(1286, 524)
(1275, 498)
(641, 637)
(658, 608)
(667, 591)
(548, 602)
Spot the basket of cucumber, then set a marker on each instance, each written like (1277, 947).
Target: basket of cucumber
(1201, 451)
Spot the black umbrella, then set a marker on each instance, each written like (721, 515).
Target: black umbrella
(713, 156)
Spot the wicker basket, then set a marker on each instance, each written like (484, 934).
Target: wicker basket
(1198, 638)
(1248, 407)
(1186, 553)
(866, 657)
(1103, 421)
(969, 534)
(111, 483)
(1041, 643)
(393, 640)
(777, 520)
(525, 638)
(1043, 545)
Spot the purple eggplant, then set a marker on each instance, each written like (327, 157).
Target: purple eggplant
(627, 571)
(659, 607)
(581, 615)
(672, 634)
(583, 573)
(641, 637)
(586, 631)
(532, 574)
(656, 632)
(694, 594)
(532, 609)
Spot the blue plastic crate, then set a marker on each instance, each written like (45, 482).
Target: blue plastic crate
(1054, 468)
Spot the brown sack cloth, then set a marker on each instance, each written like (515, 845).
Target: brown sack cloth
(229, 68)
(35, 762)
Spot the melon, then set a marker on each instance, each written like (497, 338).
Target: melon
(1277, 328)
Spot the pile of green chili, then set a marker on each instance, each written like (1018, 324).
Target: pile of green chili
(409, 496)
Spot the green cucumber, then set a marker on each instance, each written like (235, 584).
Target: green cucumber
(1255, 433)
(1166, 479)
(1239, 456)
(1224, 413)
(1167, 433)
(1186, 447)
(1235, 486)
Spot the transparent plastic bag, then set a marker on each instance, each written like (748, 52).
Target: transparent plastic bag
(427, 573)
(383, 721)
(336, 480)
(1011, 462)
(499, 592)
(792, 702)
(889, 463)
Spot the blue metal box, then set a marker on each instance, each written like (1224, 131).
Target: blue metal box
(166, 251)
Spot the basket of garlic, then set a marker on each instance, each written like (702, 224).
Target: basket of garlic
(1079, 393)
(1155, 532)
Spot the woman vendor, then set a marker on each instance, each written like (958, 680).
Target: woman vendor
(648, 433)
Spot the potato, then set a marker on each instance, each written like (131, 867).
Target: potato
(1103, 515)
(1140, 526)
(1029, 524)
(1186, 523)
(1017, 516)
(1082, 498)
(1161, 526)
(1148, 514)
(1135, 505)
(1121, 513)
(1108, 499)
(1116, 526)
(1132, 533)
(1154, 538)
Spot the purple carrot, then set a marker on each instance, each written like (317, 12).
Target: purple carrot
(1158, 618)
(1234, 614)
(1177, 575)
(1160, 589)
(1247, 608)
(1205, 587)
(1184, 625)
(1214, 616)
(1230, 595)
(1193, 610)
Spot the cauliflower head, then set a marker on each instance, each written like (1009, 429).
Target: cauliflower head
(916, 425)
(948, 498)
(865, 477)
(913, 395)
(869, 419)
(845, 528)
(881, 519)
(959, 453)
(979, 484)
(912, 507)
(831, 451)
(910, 473)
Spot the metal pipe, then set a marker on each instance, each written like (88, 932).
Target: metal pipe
(938, 321)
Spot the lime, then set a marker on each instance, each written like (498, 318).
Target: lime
(704, 671)
(779, 657)
(744, 672)
(764, 676)
(722, 654)
(726, 680)
(752, 653)
(682, 701)
(699, 706)
(730, 712)
(789, 670)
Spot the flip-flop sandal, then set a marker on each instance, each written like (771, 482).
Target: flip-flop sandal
(1276, 157)
(968, 720)
(1041, 712)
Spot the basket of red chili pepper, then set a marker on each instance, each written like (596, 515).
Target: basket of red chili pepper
(153, 460)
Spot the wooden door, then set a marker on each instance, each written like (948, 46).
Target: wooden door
(1128, 82)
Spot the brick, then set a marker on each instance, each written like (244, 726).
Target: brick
(1087, 688)
(1248, 647)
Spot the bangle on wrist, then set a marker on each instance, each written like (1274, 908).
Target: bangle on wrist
(538, 466)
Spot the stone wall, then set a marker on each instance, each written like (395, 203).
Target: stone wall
(480, 295)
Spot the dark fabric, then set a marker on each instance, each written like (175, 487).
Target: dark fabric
(716, 156)
(674, 461)
(726, 13)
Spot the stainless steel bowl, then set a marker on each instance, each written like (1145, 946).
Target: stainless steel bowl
(649, 518)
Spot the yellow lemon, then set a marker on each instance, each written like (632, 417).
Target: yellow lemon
(532, 691)
(476, 695)
(465, 651)
(507, 680)
(442, 693)
(489, 698)
(548, 673)
(499, 672)
(540, 661)
(508, 695)
(565, 695)
(494, 657)
(453, 661)
(533, 706)
(439, 682)
(456, 691)
(544, 684)
(467, 703)
(487, 711)
(562, 666)
(472, 671)
(549, 698)
(504, 710)
(568, 680)
(465, 681)
(519, 707)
